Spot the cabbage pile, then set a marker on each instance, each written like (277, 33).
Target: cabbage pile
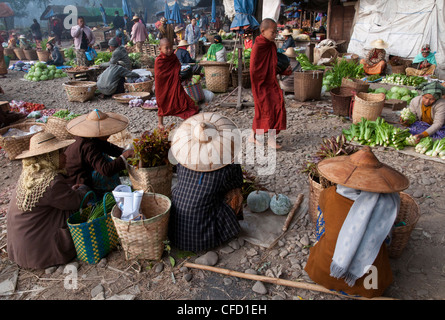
(40, 71)
(397, 93)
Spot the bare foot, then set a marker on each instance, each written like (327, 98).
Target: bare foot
(253, 140)
(161, 126)
(273, 144)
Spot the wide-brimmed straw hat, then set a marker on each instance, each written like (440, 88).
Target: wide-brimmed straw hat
(177, 29)
(206, 142)
(44, 142)
(286, 33)
(290, 52)
(51, 39)
(97, 124)
(183, 43)
(379, 44)
(363, 171)
(135, 18)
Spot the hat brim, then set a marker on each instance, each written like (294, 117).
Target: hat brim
(379, 45)
(381, 179)
(82, 127)
(60, 144)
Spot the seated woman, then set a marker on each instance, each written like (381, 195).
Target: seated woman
(185, 58)
(202, 215)
(347, 249)
(89, 157)
(56, 57)
(289, 40)
(429, 109)
(424, 63)
(375, 62)
(112, 80)
(217, 51)
(38, 234)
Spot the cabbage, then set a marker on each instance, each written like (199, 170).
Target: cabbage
(414, 93)
(394, 89)
(396, 96)
(404, 92)
(380, 90)
(406, 98)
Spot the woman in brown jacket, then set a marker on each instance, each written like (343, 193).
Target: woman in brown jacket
(38, 234)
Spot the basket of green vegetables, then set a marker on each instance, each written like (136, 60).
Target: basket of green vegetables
(92, 229)
(56, 124)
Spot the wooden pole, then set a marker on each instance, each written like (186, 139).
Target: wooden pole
(328, 20)
(277, 281)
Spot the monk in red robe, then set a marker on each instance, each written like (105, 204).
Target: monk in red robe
(171, 97)
(270, 112)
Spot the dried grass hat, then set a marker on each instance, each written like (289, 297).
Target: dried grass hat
(290, 52)
(183, 43)
(44, 142)
(177, 29)
(206, 142)
(50, 39)
(363, 171)
(135, 18)
(97, 124)
(379, 44)
(286, 33)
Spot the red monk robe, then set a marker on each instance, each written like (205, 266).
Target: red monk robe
(270, 112)
(171, 97)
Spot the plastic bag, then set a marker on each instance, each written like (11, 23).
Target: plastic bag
(128, 202)
(208, 95)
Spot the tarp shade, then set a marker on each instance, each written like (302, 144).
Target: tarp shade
(405, 24)
(244, 10)
(167, 13)
(213, 20)
(175, 15)
(5, 10)
(126, 8)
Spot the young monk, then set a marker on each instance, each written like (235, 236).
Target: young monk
(270, 112)
(171, 97)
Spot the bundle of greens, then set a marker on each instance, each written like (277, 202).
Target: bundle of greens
(437, 148)
(342, 69)
(306, 64)
(65, 114)
(98, 209)
(135, 58)
(102, 57)
(408, 116)
(424, 145)
(403, 79)
(232, 57)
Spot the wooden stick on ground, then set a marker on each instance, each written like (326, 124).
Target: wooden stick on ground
(277, 281)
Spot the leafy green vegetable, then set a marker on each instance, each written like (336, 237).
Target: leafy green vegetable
(306, 64)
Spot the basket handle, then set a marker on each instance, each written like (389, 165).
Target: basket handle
(152, 189)
(105, 201)
(86, 196)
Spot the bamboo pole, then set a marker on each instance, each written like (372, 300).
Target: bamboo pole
(277, 281)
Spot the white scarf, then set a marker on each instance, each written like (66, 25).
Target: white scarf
(369, 221)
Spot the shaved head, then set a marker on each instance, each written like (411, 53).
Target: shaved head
(267, 23)
(164, 42)
(166, 46)
(268, 29)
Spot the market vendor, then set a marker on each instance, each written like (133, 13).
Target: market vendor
(429, 109)
(289, 41)
(356, 216)
(248, 42)
(375, 61)
(24, 43)
(13, 41)
(89, 159)
(171, 97)
(139, 33)
(217, 51)
(83, 39)
(179, 32)
(184, 57)
(56, 56)
(207, 199)
(38, 234)
(112, 80)
(119, 55)
(424, 64)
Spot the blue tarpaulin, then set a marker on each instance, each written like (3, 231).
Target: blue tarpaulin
(104, 16)
(167, 13)
(244, 10)
(175, 15)
(126, 8)
(213, 11)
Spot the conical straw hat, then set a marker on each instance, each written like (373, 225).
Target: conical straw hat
(44, 142)
(97, 124)
(363, 171)
(206, 142)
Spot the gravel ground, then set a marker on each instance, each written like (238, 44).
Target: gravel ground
(418, 273)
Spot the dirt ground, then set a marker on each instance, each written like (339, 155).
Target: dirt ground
(418, 273)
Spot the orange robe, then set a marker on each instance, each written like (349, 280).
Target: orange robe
(171, 97)
(270, 112)
(335, 208)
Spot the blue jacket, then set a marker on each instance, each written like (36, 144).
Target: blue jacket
(184, 56)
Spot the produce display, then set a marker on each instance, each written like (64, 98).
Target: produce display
(150, 104)
(97, 210)
(42, 72)
(102, 57)
(137, 102)
(402, 79)
(378, 132)
(135, 58)
(408, 116)
(342, 69)
(397, 93)
(305, 63)
(65, 114)
(232, 57)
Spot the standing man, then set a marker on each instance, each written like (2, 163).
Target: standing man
(118, 22)
(138, 34)
(36, 33)
(270, 112)
(57, 29)
(192, 34)
(128, 25)
(83, 39)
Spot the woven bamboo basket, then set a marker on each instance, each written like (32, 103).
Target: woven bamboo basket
(15, 145)
(80, 91)
(315, 189)
(409, 213)
(245, 79)
(341, 100)
(159, 178)
(10, 52)
(57, 126)
(19, 53)
(136, 95)
(368, 106)
(144, 239)
(398, 69)
(146, 86)
(31, 54)
(43, 55)
(217, 76)
(356, 84)
(307, 85)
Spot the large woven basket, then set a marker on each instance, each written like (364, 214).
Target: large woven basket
(356, 84)
(341, 100)
(398, 69)
(80, 91)
(368, 106)
(15, 145)
(57, 126)
(409, 214)
(217, 76)
(43, 55)
(10, 52)
(195, 91)
(144, 239)
(307, 85)
(245, 79)
(159, 178)
(31, 54)
(19, 53)
(315, 189)
(146, 86)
